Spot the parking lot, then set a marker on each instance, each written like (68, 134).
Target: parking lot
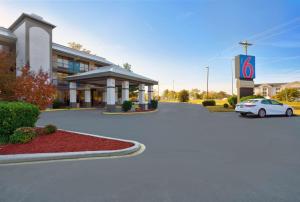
(191, 155)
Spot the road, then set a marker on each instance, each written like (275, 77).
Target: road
(191, 155)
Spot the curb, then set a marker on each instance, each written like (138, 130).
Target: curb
(128, 113)
(23, 158)
(71, 109)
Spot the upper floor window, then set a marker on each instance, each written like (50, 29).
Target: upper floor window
(84, 67)
(62, 62)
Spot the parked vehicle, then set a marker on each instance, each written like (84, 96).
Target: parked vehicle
(263, 107)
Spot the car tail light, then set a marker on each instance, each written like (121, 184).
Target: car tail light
(249, 105)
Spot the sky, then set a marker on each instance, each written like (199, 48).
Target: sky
(170, 40)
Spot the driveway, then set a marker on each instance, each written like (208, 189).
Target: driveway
(191, 155)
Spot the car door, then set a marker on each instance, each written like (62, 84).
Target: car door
(277, 107)
(266, 104)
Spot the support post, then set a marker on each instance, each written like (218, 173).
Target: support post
(125, 91)
(104, 96)
(87, 96)
(117, 95)
(110, 95)
(142, 96)
(150, 93)
(73, 94)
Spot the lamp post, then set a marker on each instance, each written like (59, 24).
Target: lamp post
(232, 63)
(207, 81)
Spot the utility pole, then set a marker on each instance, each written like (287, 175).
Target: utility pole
(245, 44)
(207, 81)
(232, 67)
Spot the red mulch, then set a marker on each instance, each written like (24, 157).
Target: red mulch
(62, 141)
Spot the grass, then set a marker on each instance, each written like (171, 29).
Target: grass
(219, 108)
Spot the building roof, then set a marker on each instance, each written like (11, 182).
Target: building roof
(32, 17)
(270, 84)
(77, 53)
(7, 34)
(111, 71)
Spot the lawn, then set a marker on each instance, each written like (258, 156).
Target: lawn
(219, 108)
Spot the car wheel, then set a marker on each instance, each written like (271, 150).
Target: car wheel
(289, 112)
(243, 114)
(262, 113)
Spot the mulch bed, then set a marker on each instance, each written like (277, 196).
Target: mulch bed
(62, 141)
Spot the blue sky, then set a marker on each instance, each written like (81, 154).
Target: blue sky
(175, 40)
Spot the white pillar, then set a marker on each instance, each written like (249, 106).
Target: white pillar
(110, 94)
(87, 96)
(125, 91)
(150, 93)
(142, 96)
(73, 94)
(116, 94)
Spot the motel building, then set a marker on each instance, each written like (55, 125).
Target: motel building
(82, 79)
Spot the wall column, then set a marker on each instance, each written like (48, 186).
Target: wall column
(73, 94)
(116, 95)
(87, 96)
(150, 93)
(125, 91)
(142, 96)
(110, 94)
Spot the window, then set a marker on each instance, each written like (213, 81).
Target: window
(84, 67)
(62, 62)
(266, 102)
(274, 102)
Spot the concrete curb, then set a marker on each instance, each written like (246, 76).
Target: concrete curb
(69, 109)
(128, 113)
(22, 158)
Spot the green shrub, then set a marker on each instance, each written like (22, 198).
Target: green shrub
(209, 103)
(22, 135)
(153, 104)
(126, 106)
(57, 104)
(49, 129)
(226, 105)
(15, 115)
(232, 100)
(183, 96)
(243, 99)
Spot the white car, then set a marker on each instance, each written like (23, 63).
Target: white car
(263, 107)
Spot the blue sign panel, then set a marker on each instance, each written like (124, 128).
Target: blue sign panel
(247, 66)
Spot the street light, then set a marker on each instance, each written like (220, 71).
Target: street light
(207, 81)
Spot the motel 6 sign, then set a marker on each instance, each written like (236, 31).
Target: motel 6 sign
(245, 67)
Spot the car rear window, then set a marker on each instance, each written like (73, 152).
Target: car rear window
(251, 101)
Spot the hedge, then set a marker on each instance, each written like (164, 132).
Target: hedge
(22, 135)
(232, 100)
(209, 103)
(153, 104)
(14, 115)
(126, 106)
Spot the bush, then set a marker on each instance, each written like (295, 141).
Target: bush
(15, 115)
(183, 96)
(126, 106)
(209, 103)
(57, 104)
(22, 135)
(40, 131)
(226, 105)
(49, 129)
(232, 100)
(153, 104)
(243, 99)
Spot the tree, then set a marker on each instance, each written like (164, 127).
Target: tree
(195, 93)
(127, 66)
(183, 96)
(34, 88)
(288, 94)
(7, 76)
(79, 47)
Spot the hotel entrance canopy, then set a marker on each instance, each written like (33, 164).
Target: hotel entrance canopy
(98, 76)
